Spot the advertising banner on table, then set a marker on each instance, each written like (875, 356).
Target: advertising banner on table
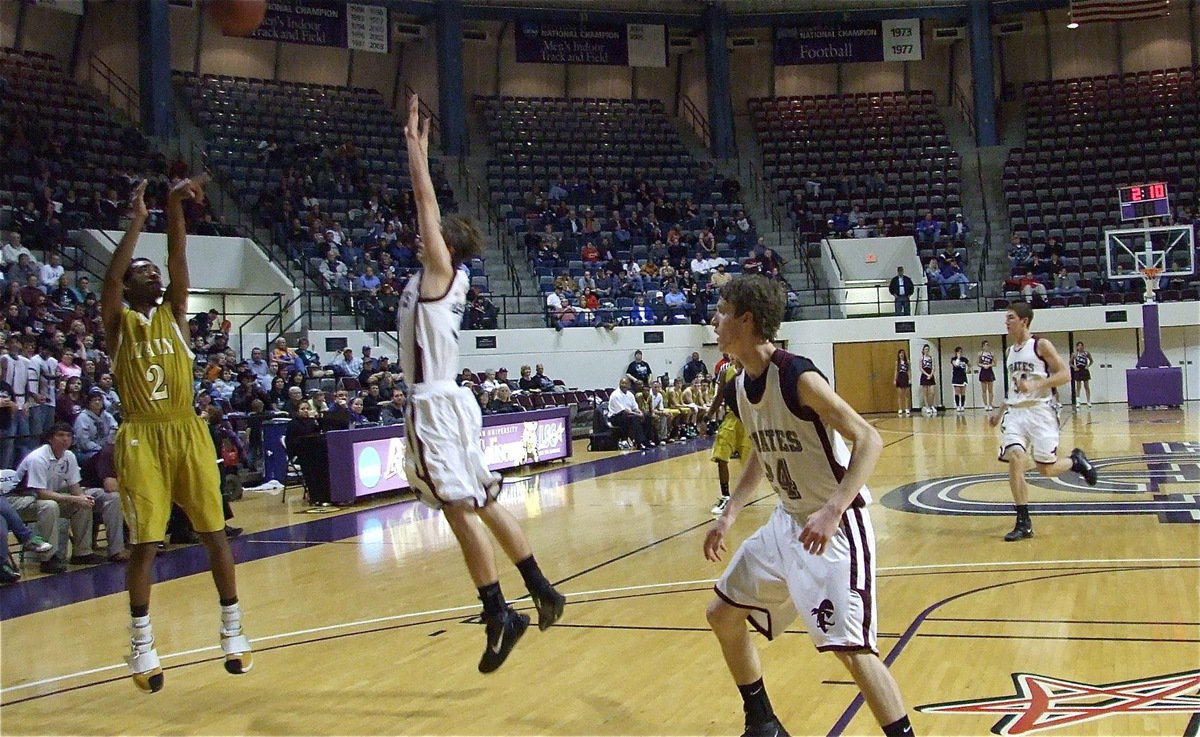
(327, 23)
(846, 43)
(379, 462)
(613, 44)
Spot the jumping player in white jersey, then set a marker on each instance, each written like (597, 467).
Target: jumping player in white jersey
(442, 422)
(1028, 423)
(815, 556)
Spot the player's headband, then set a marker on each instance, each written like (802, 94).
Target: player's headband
(134, 264)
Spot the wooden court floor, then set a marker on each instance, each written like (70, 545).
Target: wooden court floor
(363, 620)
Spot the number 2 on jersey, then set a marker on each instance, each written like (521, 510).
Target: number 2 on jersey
(157, 376)
(783, 478)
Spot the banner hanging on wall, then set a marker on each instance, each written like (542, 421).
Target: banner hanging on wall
(612, 44)
(327, 23)
(847, 43)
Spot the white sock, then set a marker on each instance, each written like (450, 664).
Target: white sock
(231, 620)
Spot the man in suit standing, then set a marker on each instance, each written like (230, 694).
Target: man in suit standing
(901, 287)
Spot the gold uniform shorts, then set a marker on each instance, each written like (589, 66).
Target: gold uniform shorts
(164, 461)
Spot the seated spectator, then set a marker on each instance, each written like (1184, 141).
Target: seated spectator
(281, 355)
(1018, 253)
(95, 427)
(392, 413)
(896, 229)
(51, 473)
(70, 402)
(502, 401)
(223, 386)
(357, 418)
(13, 250)
(559, 311)
(958, 230)
(544, 383)
(952, 274)
(586, 282)
(677, 303)
(1054, 247)
(640, 313)
(1030, 285)
(625, 415)
(1040, 268)
(292, 400)
(278, 393)
(367, 281)
(466, 378)
(346, 364)
(700, 264)
(1065, 284)
(51, 271)
(334, 273)
(247, 393)
(933, 276)
(10, 521)
(929, 230)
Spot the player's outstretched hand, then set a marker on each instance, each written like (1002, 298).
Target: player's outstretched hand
(416, 130)
(137, 201)
(994, 418)
(714, 541)
(819, 530)
(189, 189)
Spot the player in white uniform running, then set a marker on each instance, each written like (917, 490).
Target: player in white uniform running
(444, 458)
(815, 556)
(1027, 419)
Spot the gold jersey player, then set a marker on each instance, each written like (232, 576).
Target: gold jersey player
(1028, 421)
(731, 435)
(815, 556)
(442, 423)
(163, 451)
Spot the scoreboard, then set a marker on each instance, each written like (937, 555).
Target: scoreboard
(1144, 201)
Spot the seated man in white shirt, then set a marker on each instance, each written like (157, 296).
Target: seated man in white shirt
(700, 265)
(51, 473)
(624, 414)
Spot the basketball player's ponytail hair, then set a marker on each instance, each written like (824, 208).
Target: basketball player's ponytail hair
(463, 236)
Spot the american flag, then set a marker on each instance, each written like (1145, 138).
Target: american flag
(1101, 11)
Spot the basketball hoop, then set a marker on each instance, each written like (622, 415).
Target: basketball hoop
(1150, 274)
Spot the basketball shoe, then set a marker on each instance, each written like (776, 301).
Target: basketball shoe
(503, 631)
(770, 729)
(549, 605)
(143, 662)
(234, 644)
(1022, 530)
(1082, 466)
(719, 507)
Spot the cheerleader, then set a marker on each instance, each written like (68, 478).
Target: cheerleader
(929, 402)
(959, 364)
(903, 383)
(986, 360)
(1081, 361)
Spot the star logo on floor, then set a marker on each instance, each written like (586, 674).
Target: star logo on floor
(1043, 703)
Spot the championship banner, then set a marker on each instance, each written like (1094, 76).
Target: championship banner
(847, 43)
(613, 44)
(327, 23)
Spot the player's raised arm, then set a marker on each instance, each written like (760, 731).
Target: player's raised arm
(177, 265)
(113, 291)
(432, 251)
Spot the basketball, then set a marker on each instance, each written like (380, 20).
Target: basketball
(237, 17)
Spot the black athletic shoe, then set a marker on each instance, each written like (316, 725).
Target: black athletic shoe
(1082, 466)
(503, 631)
(771, 729)
(549, 607)
(54, 565)
(1022, 530)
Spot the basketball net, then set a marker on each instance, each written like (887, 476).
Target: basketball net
(1150, 275)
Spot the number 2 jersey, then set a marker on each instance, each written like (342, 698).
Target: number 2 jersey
(152, 365)
(803, 459)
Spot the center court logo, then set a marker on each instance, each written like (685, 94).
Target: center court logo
(370, 467)
(1163, 481)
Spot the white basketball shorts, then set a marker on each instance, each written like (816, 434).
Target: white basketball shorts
(1033, 428)
(774, 577)
(443, 454)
